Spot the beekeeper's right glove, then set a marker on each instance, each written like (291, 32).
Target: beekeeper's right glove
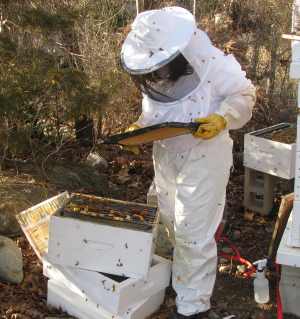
(210, 126)
(132, 148)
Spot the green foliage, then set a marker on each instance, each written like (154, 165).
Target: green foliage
(43, 87)
(8, 48)
(47, 21)
(59, 59)
(73, 87)
(109, 14)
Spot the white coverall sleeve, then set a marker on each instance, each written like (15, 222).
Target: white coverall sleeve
(238, 94)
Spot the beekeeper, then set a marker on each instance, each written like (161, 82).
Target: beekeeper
(184, 78)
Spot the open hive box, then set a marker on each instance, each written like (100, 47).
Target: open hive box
(105, 235)
(124, 226)
(272, 150)
(113, 293)
(110, 212)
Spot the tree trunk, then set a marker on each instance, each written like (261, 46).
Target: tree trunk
(255, 58)
(273, 68)
(84, 128)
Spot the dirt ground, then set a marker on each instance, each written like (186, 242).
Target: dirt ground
(129, 178)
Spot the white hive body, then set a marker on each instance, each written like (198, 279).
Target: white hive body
(112, 293)
(268, 156)
(288, 254)
(290, 289)
(108, 249)
(75, 246)
(295, 74)
(80, 306)
(103, 245)
(289, 258)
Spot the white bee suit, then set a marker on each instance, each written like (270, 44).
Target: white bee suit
(191, 174)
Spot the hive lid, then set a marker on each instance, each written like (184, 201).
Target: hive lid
(35, 222)
(152, 133)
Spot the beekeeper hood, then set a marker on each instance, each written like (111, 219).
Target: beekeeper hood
(159, 36)
(156, 38)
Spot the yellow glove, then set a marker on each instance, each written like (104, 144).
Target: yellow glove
(132, 148)
(210, 126)
(132, 127)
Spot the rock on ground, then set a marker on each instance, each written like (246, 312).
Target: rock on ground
(11, 261)
(8, 222)
(96, 160)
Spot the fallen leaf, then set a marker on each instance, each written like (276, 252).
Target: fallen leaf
(249, 216)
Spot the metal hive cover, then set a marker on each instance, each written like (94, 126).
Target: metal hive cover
(153, 133)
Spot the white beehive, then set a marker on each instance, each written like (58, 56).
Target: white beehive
(79, 305)
(271, 157)
(90, 294)
(290, 289)
(100, 245)
(289, 258)
(114, 294)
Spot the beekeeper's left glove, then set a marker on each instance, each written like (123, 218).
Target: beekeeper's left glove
(210, 126)
(132, 148)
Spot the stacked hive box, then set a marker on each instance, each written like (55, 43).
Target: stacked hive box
(98, 269)
(288, 257)
(268, 154)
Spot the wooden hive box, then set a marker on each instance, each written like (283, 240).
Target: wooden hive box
(112, 293)
(90, 241)
(80, 306)
(269, 156)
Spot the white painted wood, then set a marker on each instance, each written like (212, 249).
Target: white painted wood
(137, 4)
(271, 157)
(290, 290)
(79, 305)
(294, 234)
(295, 227)
(298, 97)
(296, 51)
(298, 137)
(297, 177)
(287, 255)
(116, 297)
(295, 70)
(194, 8)
(99, 247)
(297, 186)
(291, 37)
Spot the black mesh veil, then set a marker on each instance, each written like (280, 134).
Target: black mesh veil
(149, 83)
